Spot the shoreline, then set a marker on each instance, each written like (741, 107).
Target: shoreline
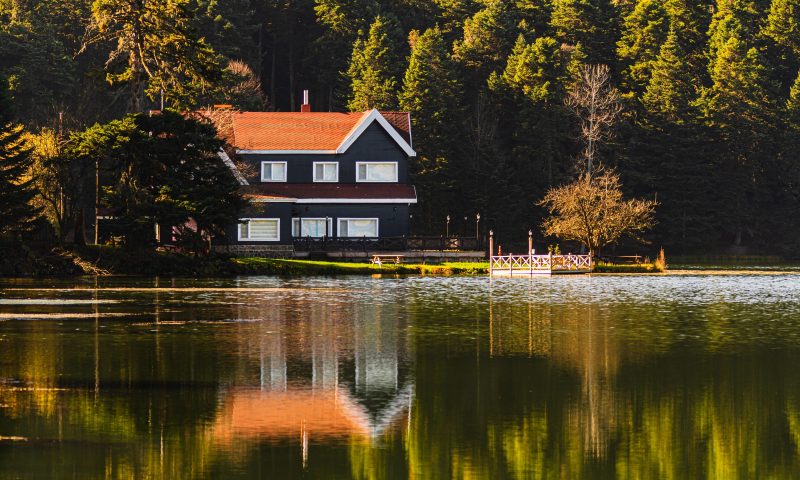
(114, 261)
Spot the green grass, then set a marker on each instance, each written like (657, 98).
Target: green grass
(271, 266)
(602, 267)
(119, 261)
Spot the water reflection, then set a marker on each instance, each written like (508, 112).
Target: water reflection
(323, 372)
(675, 377)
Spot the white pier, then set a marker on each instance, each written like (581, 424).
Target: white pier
(526, 265)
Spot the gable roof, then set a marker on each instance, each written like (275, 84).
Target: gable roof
(313, 132)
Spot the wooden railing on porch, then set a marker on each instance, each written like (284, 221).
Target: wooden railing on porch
(387, 244)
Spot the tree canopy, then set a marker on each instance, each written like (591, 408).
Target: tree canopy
(708, 91)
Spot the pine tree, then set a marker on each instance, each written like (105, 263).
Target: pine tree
(372, 70)
(535, 131)
(690, 19)
(431, 92)
(670, 90)
(783, 24)
(488, 39)
(793, 105)
(16, 191)
(644, 31)
(588, 23)
(741, 107)
(732, 18)
(782, 49)
(160, 51)
(541, 70)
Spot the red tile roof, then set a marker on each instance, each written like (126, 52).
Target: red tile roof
(364, 191)
(401, 121)
(302, 131)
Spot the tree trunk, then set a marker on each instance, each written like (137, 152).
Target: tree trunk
(272, 72)
(80, 228)
(291, 77)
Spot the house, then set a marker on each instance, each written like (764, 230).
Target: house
(336, 372)
(315, 175)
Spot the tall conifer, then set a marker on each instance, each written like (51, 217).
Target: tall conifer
(670, 90)
(431, 92)
(372, 70)
(16, 191)
(644, 31)
(588, 23)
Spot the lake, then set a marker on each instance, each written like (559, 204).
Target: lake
(679, 376)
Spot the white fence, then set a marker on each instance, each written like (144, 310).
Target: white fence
(511, 265)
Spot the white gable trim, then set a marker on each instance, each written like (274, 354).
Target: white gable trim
(362, 126)
(236, 173)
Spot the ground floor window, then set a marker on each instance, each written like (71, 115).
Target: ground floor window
(358, 227)
(312, 227)
(260, 229)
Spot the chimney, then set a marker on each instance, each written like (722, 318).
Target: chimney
(306, 107)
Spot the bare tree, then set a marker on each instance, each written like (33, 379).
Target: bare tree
(592, 211)
(595, 102)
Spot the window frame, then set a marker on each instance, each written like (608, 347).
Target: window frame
(298, 220)
(248, 238)
(314, 172)
(274, 162)
(396, 172)
(347, 219)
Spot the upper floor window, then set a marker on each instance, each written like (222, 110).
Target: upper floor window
(376, 171)
(273, 171)
(326, 172)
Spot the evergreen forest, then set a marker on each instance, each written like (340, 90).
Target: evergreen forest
(710, 92)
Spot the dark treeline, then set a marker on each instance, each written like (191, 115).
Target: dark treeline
(710, 89)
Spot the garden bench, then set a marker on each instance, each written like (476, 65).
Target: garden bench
(379, 260)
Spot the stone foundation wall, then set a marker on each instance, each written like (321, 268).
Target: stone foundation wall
(264, 251)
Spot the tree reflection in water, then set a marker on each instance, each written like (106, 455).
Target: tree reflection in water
(399, 378)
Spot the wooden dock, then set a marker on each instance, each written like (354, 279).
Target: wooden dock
(527, 265)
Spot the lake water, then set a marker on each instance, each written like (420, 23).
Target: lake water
(680, 376)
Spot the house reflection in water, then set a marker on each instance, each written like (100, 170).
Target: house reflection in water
(331, 371)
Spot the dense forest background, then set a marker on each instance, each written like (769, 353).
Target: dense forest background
(711, 93)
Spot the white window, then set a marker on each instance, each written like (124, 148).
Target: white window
(312, 227)
(326, 172)
(376, 171)
(358, 227)
(260, 229)
(273, 171)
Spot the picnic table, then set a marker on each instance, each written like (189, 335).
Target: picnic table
(379, 260)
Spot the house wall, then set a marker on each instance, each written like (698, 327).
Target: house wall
(393, 219)
(374, 145)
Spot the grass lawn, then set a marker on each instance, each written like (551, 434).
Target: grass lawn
(652, 267)
(117, 261)
(271, 266)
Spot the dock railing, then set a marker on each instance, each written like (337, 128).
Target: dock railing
(510, 265)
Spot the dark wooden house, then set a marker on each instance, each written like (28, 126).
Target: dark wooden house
(320, 175)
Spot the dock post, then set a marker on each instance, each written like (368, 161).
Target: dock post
(491, 251)
(530, 252)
